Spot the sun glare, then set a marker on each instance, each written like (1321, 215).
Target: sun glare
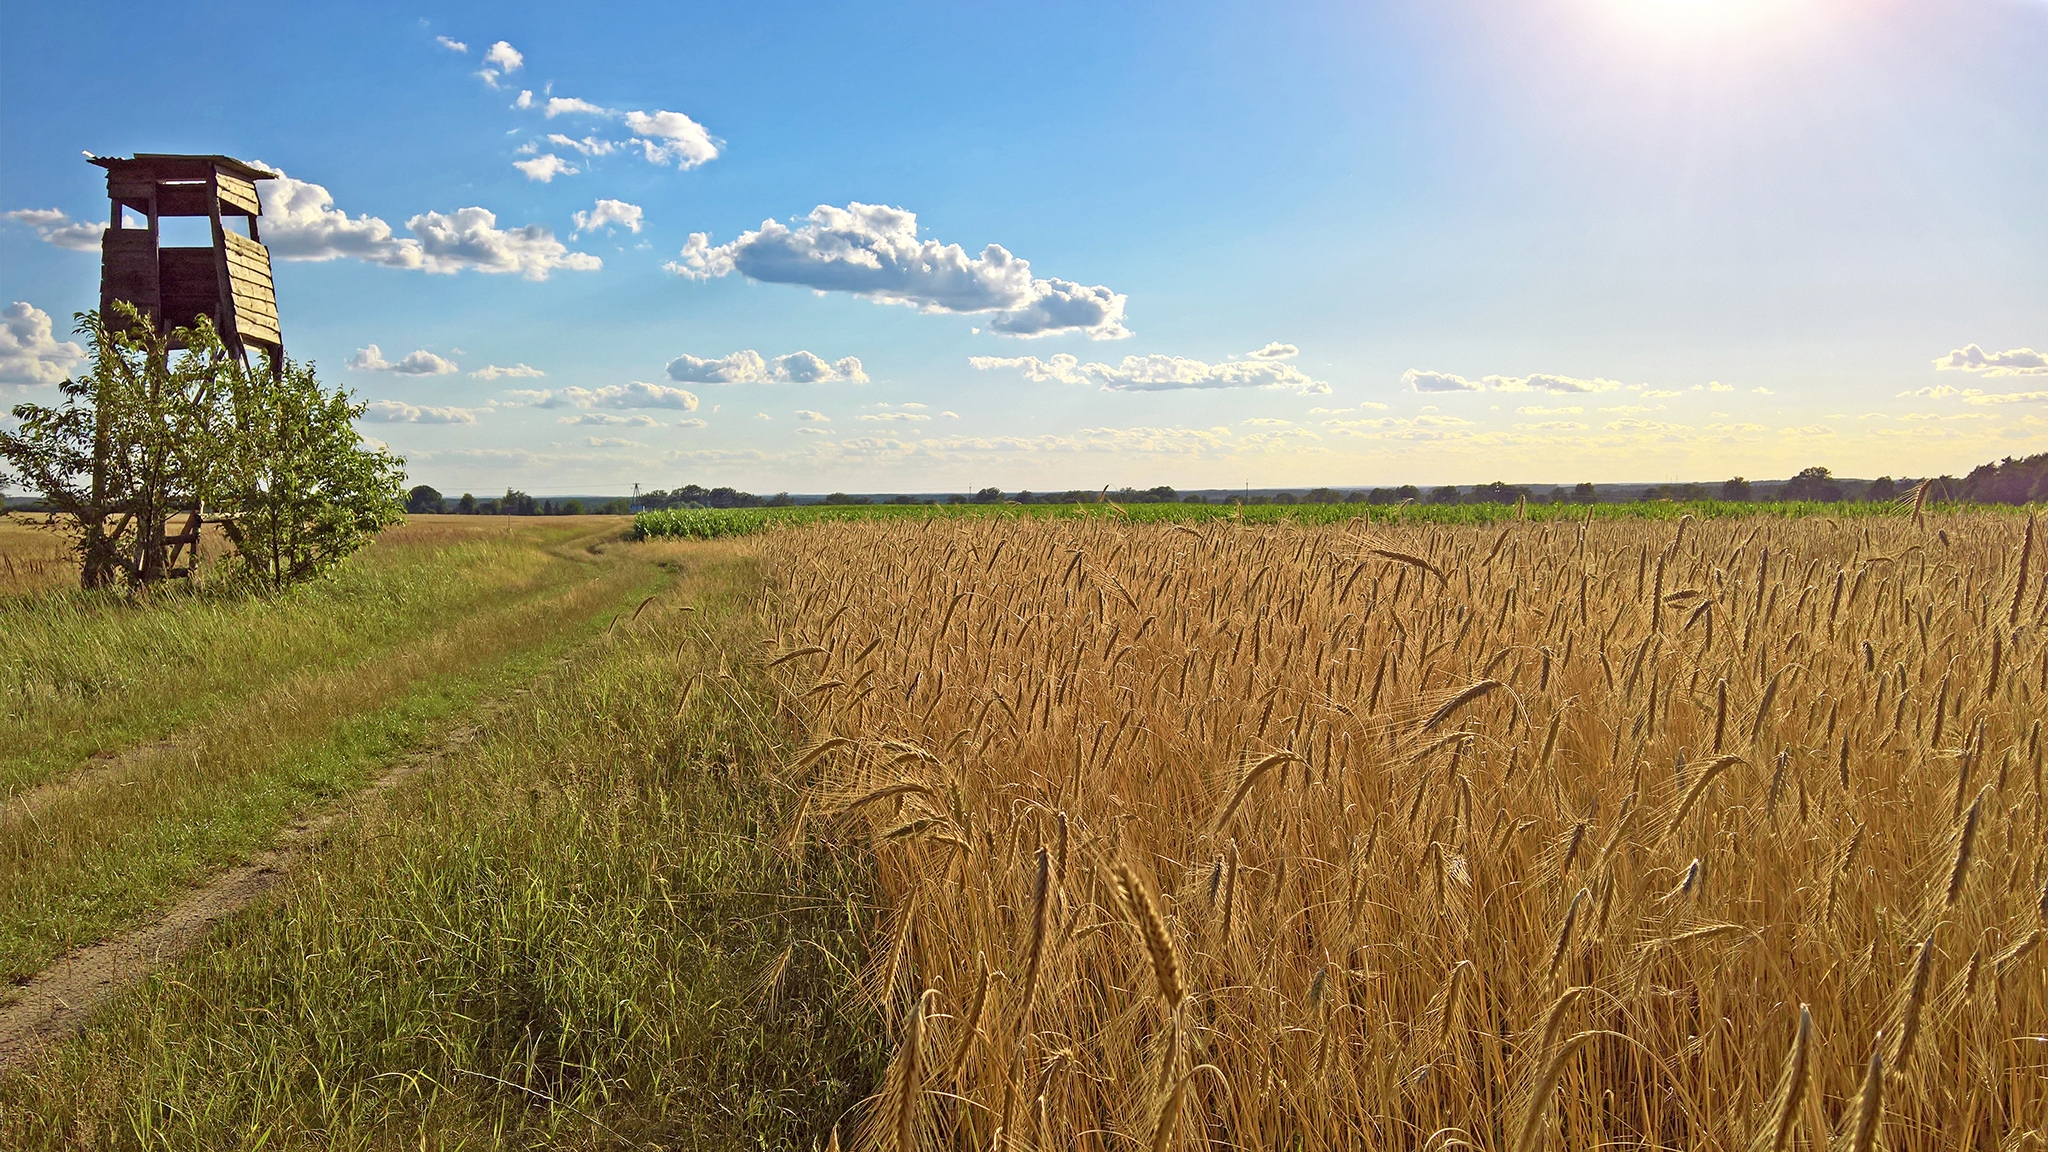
(1704, 17)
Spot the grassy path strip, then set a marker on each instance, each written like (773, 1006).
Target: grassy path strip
(96, 857)
(125, 767)
(86, 677)
(54, 1004)
(589, 927)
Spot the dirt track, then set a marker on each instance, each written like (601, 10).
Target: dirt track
(54, 1004)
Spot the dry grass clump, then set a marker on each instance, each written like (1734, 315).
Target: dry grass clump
(1715, 835)
(33, 556)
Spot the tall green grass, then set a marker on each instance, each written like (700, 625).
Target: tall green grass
(114, 846)
(584, 930)
(699, 523)
(90, 674)
(709, 523)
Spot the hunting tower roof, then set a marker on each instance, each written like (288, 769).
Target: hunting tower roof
(172, 166)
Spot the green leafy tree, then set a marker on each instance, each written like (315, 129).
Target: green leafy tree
(305, 489)
(1814, 483)
(467, 505)
(130, 444)
(423, 501)
(1735, 489)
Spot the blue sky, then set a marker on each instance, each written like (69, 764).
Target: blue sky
(1434, 242)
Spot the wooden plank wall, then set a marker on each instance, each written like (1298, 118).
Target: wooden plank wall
(237, 194)
(191, 285)
(129, 271)
(254, 293)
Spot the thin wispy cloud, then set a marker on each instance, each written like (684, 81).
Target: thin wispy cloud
(52, 226)
(398, 412)
(1159, 373)
(504, 371)
(638, 394)
(1424, 380)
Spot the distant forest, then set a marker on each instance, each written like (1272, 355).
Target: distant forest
(2010, 481)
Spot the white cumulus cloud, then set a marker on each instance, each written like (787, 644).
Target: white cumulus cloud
(30, 352)
(398, 412)
(300, 222)
(664, 137)
(607, 215)
(571, 106)
(544, 169)
(749, 367)
(469, 238)
(874, 251)
(53, 226)
(417, 363)
(501, 59)
(672, 138)
(2011, 362)
(1424, 380)
(1276, 351)
(500, 371)
(451, 44)
(1158, 373)
(813, 417)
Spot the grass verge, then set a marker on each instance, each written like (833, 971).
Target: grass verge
(115, 846)
(91, 674)
(582, 930)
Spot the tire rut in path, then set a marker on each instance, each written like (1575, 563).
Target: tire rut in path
(53, 1005)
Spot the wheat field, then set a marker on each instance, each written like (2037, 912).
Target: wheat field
(1725, 834)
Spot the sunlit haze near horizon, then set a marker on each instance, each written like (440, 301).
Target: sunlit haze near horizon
(936, 247)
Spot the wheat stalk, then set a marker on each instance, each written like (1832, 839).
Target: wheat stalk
(1776, 1129)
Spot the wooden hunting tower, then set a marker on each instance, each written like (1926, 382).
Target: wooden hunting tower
(227, 281)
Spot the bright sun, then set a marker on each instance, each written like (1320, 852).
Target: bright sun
(1703, 16)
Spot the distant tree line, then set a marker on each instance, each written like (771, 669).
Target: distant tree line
(426, 500)
(2008, 482)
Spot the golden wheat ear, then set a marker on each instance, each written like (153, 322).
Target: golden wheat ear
(1774, 1131)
